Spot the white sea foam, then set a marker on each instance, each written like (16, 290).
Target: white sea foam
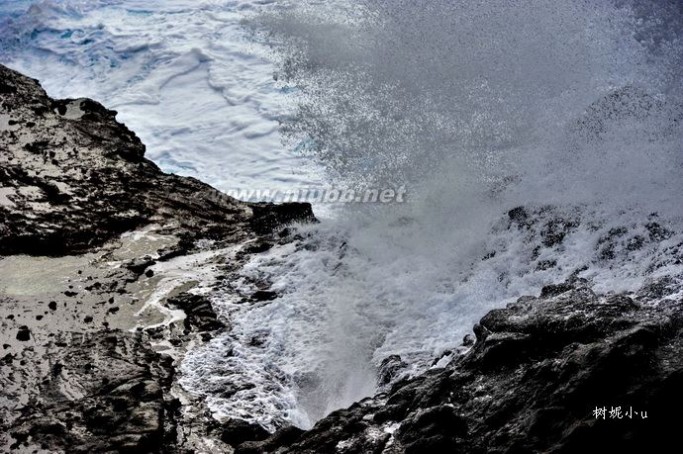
(185, 75)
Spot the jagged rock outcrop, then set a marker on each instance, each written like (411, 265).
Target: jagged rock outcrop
(531, 383)
(72, 177)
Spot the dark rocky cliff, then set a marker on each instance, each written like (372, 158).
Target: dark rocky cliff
(73, 178)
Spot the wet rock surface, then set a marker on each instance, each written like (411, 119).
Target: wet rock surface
(532, 382)
(199, 314)
(103, 392)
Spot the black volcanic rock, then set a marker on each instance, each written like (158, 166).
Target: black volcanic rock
(77, 178)
(531, 383)
(389, 369)
(268, 217)
(199, 314)
(237, 431)
(24, 334)
(263, 295)
(103, 393)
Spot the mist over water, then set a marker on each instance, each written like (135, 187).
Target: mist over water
(485, 87)
(477, 107)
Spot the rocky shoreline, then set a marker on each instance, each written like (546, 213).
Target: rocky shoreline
(531, 383)
(97, 251)
(99, 299)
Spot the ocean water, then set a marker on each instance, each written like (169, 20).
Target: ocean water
(571, 109)
(185, 75)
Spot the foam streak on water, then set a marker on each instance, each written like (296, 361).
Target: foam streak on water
(185, 75)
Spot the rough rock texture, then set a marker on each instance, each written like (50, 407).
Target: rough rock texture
(199, 314)
(89, 327)
(72, 177)
(98, 393)
(531, 383)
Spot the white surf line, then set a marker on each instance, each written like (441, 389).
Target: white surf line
(199, 268)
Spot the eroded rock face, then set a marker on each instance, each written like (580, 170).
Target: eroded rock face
(531, 383)
(72, 178)
(79, 374)
(105, 392)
